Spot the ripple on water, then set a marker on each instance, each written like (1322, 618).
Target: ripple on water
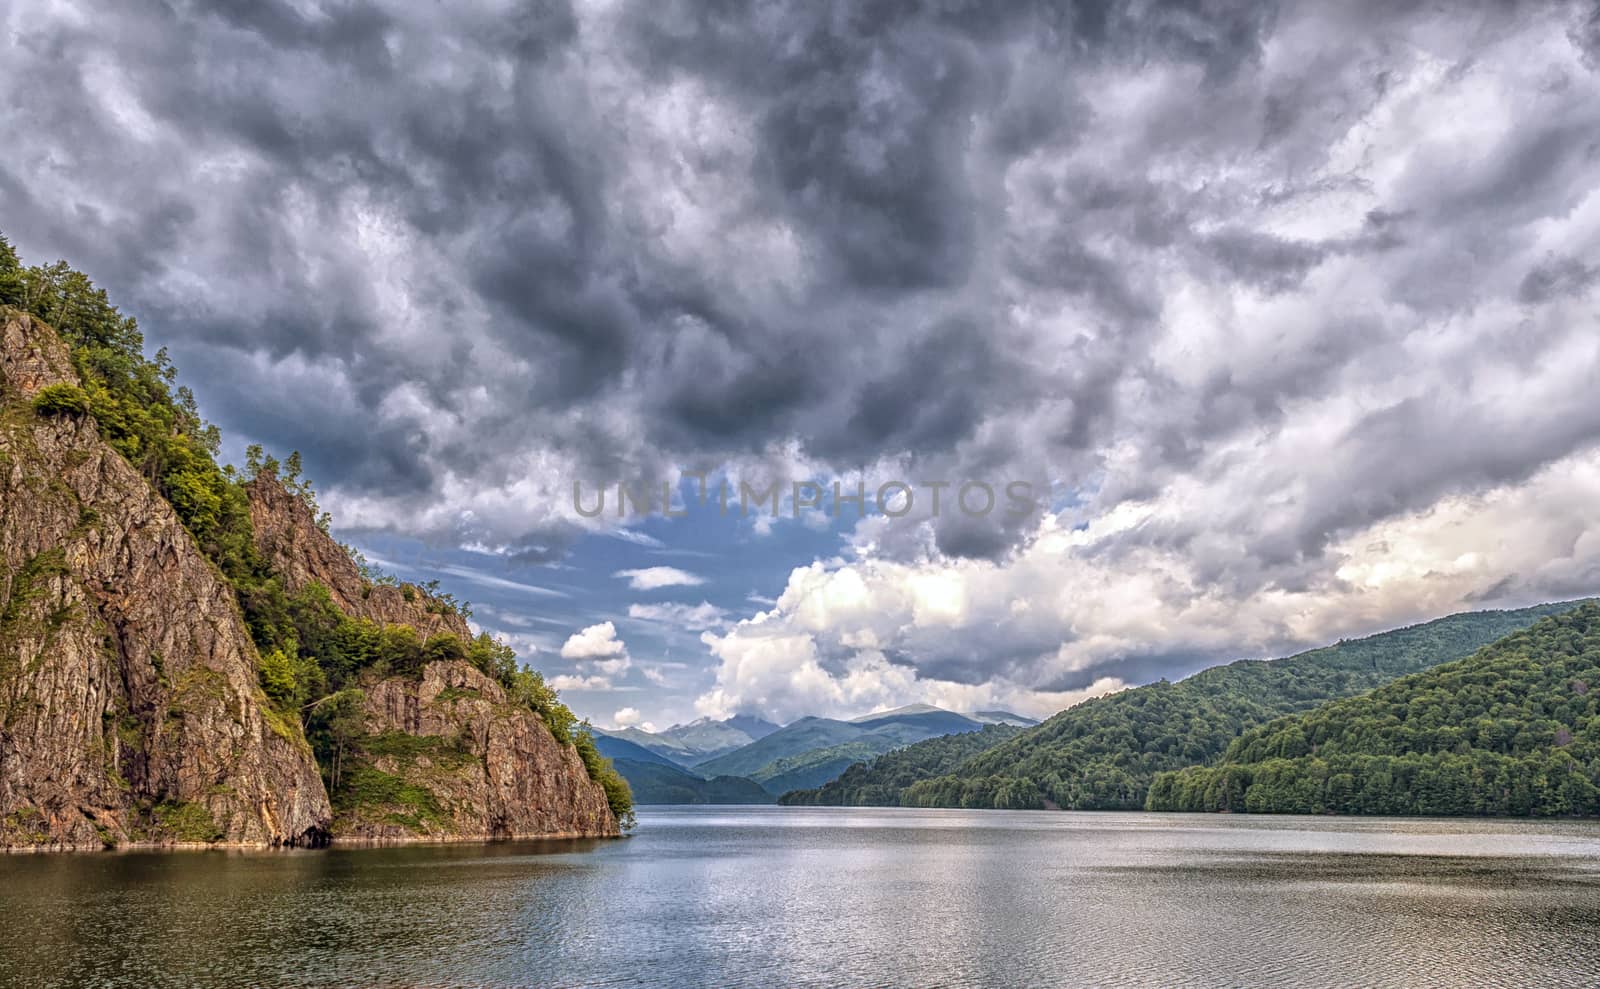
(825, 897)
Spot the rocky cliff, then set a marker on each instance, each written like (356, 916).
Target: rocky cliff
(129, 704)
(450, 757)
(289, 539)
(131, 701)
(446, 757)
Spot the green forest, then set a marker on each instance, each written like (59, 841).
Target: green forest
(312, 657)
(878, 783)
(1104, 754)
(1512, 730)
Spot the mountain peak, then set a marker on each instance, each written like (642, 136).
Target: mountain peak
(901, 712)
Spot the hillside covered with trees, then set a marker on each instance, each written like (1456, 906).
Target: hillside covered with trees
(1512, 730)
(1104, 753)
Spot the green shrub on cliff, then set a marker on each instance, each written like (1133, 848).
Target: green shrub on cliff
(181, 821)
(155, 426)
(58, 400)
(603, 772)
(12, 282)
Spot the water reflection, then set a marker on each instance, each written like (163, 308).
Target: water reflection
(789, 896)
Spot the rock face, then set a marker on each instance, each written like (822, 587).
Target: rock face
(130, 709)
(448, 757)
(287, 536)
(444, 758)
(129, 704)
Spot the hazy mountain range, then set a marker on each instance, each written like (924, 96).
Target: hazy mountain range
(746, 759)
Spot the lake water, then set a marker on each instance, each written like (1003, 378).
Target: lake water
(839, 897)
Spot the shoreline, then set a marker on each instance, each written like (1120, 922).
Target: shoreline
(330, 845)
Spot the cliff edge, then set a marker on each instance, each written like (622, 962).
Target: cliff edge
(129, 705)
(159, 688)
(441, 755)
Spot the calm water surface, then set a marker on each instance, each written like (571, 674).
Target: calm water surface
(830, 897)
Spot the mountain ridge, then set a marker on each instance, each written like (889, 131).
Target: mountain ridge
(1103, 753)
(1513, 729)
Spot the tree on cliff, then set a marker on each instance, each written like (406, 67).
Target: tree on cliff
(11, 279)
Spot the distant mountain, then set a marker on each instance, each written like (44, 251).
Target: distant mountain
(907, 711)
(655, 783)
(929, 720)
(752, 726)
(818, 766)
(878, 783)
(913, 710)
(1512, 730)
(706, 739)
(688, 744)
(805, 753)
(649, 741)
(1104, 753)
(791, 740)
(655, 779)
(812, 751)
(1003, 718)
(621, 749)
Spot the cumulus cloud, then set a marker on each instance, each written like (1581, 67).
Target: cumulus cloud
(567, 681)
(595, 642)
(654, 578)
(629, 717)
(598, 649)
(1082, 610)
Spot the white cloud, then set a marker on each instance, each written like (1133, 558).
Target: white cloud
(691, 617)
(1057, 622)
(627, 717)
(652, 578)
(637, 538)
(598, 649)
(595, 642)
(501, 583)
(569, 682)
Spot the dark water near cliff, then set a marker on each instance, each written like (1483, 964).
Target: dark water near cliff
(777, 896)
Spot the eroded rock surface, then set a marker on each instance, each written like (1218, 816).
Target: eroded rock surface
(287, 536)
(450, 757)
(129, 705)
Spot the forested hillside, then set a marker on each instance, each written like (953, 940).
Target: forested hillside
(1515, 729)
(1103, 754)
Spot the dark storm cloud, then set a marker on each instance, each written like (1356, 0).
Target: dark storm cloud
(1556, 278)
(431, 246)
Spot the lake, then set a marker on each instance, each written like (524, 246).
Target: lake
(757, 896)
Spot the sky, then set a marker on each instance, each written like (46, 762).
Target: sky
(1285, 315)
